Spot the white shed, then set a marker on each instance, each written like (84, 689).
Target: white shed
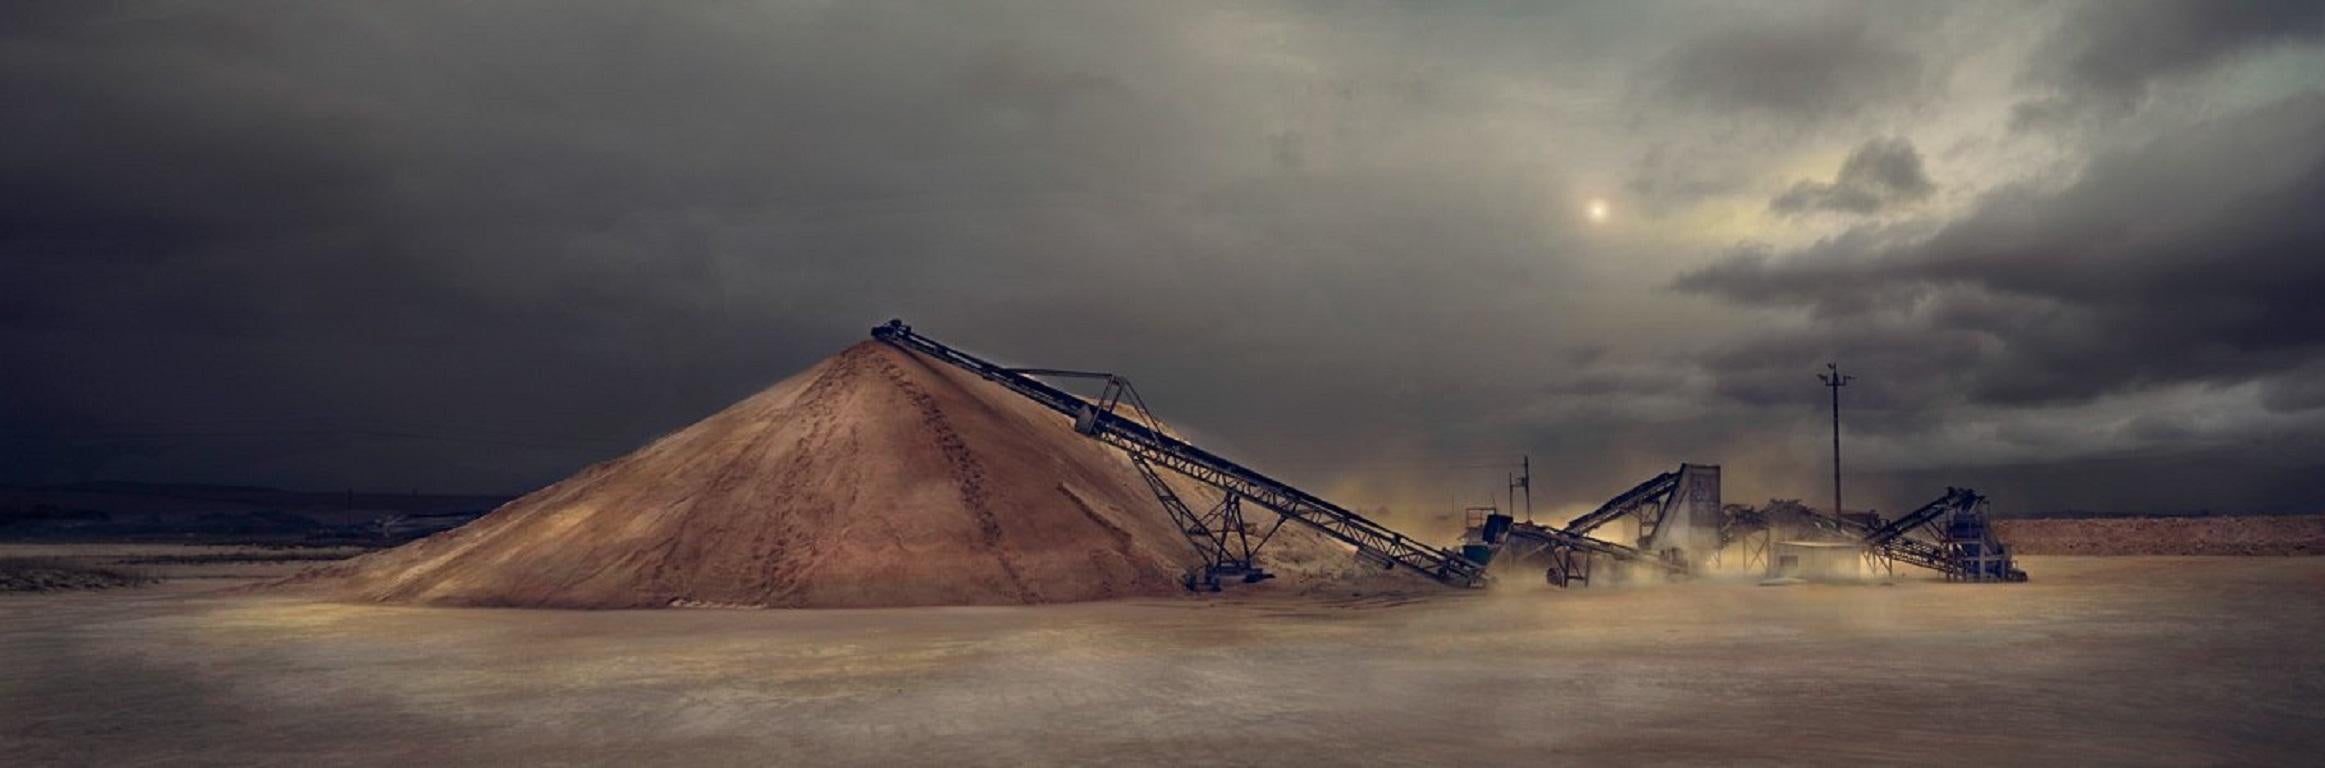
(1817, 560)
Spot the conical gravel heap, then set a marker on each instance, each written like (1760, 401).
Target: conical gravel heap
(874, 478)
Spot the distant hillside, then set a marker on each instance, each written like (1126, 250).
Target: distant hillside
(2255, 535)
(227, 513)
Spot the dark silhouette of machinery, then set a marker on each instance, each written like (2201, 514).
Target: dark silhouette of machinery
(1220, 536)
(1680, 518)
(1666, 505)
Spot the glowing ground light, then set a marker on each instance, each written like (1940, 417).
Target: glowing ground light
(1598, 210)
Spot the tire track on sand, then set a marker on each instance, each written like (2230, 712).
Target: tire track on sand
(967, 473)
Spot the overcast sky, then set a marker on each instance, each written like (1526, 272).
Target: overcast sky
(2074, 252)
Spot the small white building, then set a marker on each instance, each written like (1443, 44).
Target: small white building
(1817, 560)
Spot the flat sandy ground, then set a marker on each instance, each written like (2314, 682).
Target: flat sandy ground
(218, 564)
(2099, 661)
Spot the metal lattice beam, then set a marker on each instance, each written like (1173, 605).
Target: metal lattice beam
(1372, 540)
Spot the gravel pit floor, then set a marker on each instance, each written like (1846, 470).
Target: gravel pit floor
(2114, 661)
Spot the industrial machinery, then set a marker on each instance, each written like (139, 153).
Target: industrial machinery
(1956, 539)
(1751, 530)
(1964, 548)
(1672, 508)
(1566, 556)
(1679, 512)
(1220, 536)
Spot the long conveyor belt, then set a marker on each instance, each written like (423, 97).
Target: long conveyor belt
(1891, 540)
(1372, 540)
(1654, 491)
(1543, 534)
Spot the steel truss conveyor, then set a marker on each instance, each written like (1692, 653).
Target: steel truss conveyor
(1966, 549)
(1148, 446)
(1567, 550)
(1655, 502)
(1650, 493)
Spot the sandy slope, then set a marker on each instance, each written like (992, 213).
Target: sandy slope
(874, 478)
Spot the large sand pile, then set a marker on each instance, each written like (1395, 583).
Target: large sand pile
(2289, 535)
(874, 478)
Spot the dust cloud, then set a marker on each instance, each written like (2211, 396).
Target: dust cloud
(2098, 662)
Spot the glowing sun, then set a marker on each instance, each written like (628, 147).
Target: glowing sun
(1598, 210)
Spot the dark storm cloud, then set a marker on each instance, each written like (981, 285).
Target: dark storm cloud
(590, 222)
(1714, 110)
(1878, 174)
(2297, 391)
(1825, 67)
(538, 233)
(2189, 259)
(2112, 51)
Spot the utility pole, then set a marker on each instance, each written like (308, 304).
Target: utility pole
(1525, 482)
(1834, 381)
